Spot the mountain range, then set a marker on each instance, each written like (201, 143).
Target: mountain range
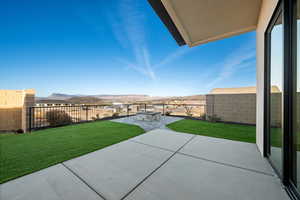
(107, 98)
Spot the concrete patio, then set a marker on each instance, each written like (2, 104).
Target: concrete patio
(158, 165)
(148, 125)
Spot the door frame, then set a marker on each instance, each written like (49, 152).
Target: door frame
(267, 73)
(288, 8)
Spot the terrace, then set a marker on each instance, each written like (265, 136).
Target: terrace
(180, 159)
(116, 157)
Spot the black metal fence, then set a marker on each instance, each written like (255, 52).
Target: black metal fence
(52, 116)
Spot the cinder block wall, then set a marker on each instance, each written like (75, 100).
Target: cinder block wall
(240, 108)
(14, 109)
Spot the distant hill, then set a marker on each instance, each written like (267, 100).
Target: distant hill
(91, 99)
(60, 96)
(107, 99)
(85, 100)
(193, 99)
(126, 97)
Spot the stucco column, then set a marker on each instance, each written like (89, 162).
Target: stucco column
(29, 100)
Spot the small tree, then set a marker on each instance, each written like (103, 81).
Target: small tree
(96, 118)
(188, 110)
(115, 114)
(58, 117)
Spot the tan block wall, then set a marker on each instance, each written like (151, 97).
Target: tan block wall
(276, 109)
(10, 118)
(14, 109)
(240, 108)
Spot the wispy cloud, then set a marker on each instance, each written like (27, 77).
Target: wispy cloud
(129, 30)
(173, 56)
(146, 70)
(239, 59)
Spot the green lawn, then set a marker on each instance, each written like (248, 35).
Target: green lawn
(26, 153)
(237, 132)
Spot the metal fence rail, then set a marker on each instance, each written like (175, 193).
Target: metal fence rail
(52, 116)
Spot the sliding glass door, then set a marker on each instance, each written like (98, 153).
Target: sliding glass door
(282, 94)
(275, 130)
(296, 104)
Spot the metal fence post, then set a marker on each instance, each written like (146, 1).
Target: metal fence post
(32, 117)
(127, 110)
(163, 109)
(29, 119)
(213, 106)
(145, 107)
(86, 113)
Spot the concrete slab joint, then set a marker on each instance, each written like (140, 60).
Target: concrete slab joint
(161, 164)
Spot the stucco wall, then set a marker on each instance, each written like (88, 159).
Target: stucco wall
(267, 9)
(13, 109)
(238, 108)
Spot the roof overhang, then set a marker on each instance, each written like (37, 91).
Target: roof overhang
(195, 22)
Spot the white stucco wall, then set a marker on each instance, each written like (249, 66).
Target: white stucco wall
(267, 9)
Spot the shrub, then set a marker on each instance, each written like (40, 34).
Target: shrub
(203, 116)
(58, 117)
(20, 131)
(213, 118)
(168, 113)
(97, 117)
(116, 114)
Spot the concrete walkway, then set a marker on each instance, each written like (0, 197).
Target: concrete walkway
(146, 125)
(158, 165)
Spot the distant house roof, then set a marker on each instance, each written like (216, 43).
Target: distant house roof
(239, 90)
(233, 90)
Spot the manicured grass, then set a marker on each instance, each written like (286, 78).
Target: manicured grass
(236, 132)
(26, 153)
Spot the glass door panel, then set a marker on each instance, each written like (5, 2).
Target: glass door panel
(276, 88)
(296, 106)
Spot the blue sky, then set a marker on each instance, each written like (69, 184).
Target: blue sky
(111, 47)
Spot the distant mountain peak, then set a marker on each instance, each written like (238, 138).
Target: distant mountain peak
(60, 96)
(109, 98)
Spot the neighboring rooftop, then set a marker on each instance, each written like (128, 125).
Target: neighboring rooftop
(239, 90)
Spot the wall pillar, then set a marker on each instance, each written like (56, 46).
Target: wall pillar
(14, 109)
(29, 101)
